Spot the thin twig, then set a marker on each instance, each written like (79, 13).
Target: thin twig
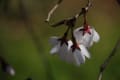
(105, 63)
(86, 8)
(72, 20)
(53, 10)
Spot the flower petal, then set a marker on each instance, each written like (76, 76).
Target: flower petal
(79, 57)
(63, 51)
(87, 40)
(78, 34)
(84, 51)
(55, 49)
(69, 56)
(54, 40)
(69, 44)
(10, 70)
(96, 36)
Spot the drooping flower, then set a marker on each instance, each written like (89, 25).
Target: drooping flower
(86, 35)
(69, 56)
(71, 53)
(77, 54)
(60, 46)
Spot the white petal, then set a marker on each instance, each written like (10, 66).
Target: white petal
(55, 49)
(96, 36)
(69, 44)
(87, 40)
(53, 40)
(84, 51)
(79, 57)
(78, 34)
(63, 51)
(70, 58)
(10, 70)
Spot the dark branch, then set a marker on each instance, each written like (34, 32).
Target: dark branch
(59, 23)
(71, 21)
(105, 63)
(85, 9)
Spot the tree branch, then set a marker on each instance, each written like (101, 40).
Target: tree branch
(72, 20)
(105, 63)
(53, 10)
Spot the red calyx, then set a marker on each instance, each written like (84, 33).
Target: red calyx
(86, 29)
(75, 46)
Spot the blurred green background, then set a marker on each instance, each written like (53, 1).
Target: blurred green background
(24, 39)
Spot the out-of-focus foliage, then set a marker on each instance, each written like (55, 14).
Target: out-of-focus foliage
(24, 39)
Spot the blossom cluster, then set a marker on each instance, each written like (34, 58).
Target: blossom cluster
(75, 49)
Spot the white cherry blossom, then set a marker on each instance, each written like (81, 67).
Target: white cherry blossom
(60, 49)
(69, 56)
(86, 36)
(79, 54)
(70, 53)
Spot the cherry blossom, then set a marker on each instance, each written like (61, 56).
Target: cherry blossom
(86, 35)
(71, 53)
(60, 46)
(79, 53)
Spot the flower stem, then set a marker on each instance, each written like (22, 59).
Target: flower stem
(107, 60)
(73, 38)
(66, 32)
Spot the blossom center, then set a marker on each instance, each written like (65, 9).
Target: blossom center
(74, 47)
(86, 29)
